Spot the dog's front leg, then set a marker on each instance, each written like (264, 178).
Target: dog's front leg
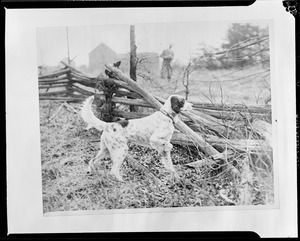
(91, 167)
(164, 148)
(160, 143)
(167, 162)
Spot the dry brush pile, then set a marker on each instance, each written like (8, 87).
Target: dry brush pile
(222, 153)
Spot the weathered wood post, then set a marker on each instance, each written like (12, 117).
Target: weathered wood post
(69, 88)
(133, 59)
(70, 82)
(105, 107)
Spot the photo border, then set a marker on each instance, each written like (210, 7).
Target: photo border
(30, 100)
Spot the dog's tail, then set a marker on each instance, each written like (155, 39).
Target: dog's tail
(89, 117)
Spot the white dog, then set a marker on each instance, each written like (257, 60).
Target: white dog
(153, 131)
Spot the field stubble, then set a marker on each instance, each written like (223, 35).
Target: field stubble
(66, 149)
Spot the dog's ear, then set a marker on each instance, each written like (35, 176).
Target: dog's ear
(117, 64)
(176, 104)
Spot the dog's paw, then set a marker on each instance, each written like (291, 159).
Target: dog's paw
(175, 177)
(90, 171)
(116, 177)
(88, 127)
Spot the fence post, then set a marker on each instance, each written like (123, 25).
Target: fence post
(133, 60)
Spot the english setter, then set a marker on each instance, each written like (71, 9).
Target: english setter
(153, 131)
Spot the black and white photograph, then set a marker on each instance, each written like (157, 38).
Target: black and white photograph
(158, 115)
(164, 119)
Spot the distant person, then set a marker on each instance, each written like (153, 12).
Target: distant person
(166, 68)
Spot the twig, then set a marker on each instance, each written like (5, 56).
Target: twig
(145, 170)
(69, 107)
(222, 195)
(56, 113)
(263, 38)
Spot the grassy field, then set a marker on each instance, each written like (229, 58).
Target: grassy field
(66, 149)
(233, 86)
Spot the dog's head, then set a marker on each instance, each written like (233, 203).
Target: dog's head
(176, 103)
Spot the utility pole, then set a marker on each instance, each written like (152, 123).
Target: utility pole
(69, 85)
(133, 60)
(69, 61)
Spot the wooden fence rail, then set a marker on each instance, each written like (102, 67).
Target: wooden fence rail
(70, 84)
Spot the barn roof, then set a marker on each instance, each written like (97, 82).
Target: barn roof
(103, 46)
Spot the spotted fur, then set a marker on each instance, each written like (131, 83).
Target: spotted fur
(153, 131)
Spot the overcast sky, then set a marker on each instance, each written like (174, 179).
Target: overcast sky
(185, 37)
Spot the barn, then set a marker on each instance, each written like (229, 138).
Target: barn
(100, 56)
(103, 54)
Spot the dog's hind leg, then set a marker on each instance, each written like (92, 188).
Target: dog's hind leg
(103, 153)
